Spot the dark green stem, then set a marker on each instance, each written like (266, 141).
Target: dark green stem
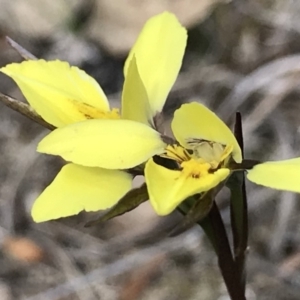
(214, 228)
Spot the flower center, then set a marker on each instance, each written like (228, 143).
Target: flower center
(204, 157)
(195, 169)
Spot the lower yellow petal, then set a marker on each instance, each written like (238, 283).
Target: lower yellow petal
(281, 175)
(193, 121)
(168, 188)
(78, 188)
(135, 103)
(110, 144)
(59, 93)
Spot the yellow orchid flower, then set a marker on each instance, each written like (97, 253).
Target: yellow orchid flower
(71, 100)
(206, 155)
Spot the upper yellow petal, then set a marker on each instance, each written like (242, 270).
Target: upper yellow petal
(281, 175)
(111, 144)
(135, 102)
(78, 188)
(193, 121)
(159, 50)
(60, 94)
(168, 188)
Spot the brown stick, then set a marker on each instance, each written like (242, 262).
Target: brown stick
(25, 110)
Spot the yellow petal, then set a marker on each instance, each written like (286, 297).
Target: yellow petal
(135, 103)
(159, 50)
(281, 175)
(59, 93)
(110, 144)
(78, 188)
(193, 121)
(168, 188)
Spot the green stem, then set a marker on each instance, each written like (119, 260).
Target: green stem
(214, 228)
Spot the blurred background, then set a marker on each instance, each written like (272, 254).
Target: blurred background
(241, 56)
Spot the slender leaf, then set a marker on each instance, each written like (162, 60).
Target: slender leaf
(130, 201)
(239, 210)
